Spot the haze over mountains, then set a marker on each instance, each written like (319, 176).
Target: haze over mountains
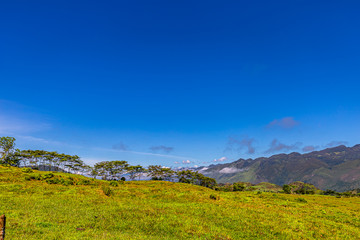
(336, 168)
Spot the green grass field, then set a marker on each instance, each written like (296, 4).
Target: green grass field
(36, 209)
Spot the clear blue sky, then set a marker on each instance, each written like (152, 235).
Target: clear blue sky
(179, 83)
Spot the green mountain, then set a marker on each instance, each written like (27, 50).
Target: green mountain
(335, 168)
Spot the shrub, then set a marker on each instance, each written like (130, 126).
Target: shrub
(287, 189)
(114, 183)
(66, 182)
(330, 192)
(107, 190)
(214, 197)
(36, 176)
(48, 175)
(53, 181)
(302, 200)
(27, 170)
(238, 187)
(84, 182)
(27, 178)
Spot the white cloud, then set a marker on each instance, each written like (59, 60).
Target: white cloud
(220, 159)
(230, 170)
(203, 169)
(186, 162)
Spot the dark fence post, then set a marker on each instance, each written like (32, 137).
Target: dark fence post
(2, 227)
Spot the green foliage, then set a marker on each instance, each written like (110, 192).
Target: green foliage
(67, 182)
(287, 189)
(27, 170)
(238, 187)
(106, 190)
(135, 171)
(157, 172)
(302, 200)
(114, 183)
(214, 197)
(47, 175)
(7, 145)
(36, 176)
(53, 181)
(110, 169)
(84, 182)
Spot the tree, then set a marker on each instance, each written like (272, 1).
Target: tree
(157, 172)
(186, 176)
(7, 145)
(189, 176)
(117, 169)
(135, 171)
(110, 169)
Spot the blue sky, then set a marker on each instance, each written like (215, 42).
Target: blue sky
(179, 83)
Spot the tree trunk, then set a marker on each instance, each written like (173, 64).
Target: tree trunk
(2, 227)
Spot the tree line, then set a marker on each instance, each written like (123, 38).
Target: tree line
(106, 170)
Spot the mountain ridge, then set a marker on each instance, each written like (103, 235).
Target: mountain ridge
(336, 168)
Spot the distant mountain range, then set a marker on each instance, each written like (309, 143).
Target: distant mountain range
(336, 168)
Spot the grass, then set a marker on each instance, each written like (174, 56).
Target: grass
(37, 209)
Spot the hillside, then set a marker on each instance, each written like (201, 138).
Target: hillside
(44, 205)
(335, 168)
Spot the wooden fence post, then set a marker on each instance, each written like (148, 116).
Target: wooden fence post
(2, 227)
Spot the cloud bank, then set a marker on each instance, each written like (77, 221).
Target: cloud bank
(286, 123)
(161, 148)
(230, 170)
(335, 143)
(276, 146)
(309, 148)
(220, 159)
(120, 146)
(239, 144)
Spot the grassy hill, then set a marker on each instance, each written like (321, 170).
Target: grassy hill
(41, 205)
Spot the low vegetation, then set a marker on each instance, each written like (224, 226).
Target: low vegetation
(170, 205)
(76, 207)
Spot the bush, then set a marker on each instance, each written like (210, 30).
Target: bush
(53, 181)
(214, 197)
(36, 176)
(302, 200)
(66, 182)
(84, 182)
(27, 170)
(238, 187)
(330, 192)
(48, 175)
(287, 189)
(27, 178)
(107, 190)
(114, 183)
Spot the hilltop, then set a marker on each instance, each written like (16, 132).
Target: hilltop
(52, 205)
(335, 168)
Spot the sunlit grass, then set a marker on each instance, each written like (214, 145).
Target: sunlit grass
(166, 210)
